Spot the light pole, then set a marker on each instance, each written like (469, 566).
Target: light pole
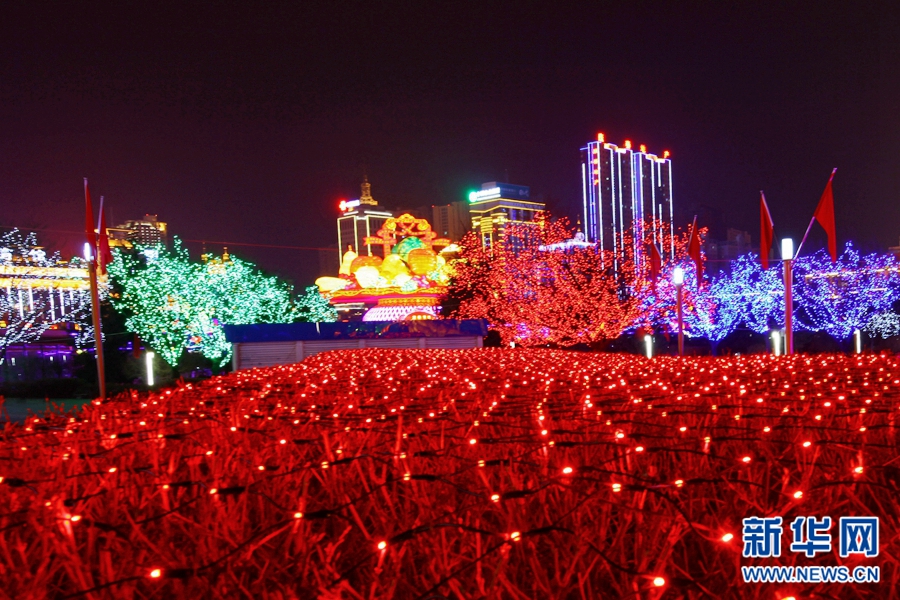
(678, 280)
(787, 256)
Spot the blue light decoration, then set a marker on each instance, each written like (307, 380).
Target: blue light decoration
(884, 325)
(843, 297)
(755, 293)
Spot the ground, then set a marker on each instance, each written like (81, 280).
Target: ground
(491, 473)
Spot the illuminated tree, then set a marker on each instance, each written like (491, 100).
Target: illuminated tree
(174, 304)
(841, 298)
(657, 304)
(38, 291)
(883, 324)
(541, 288)
(314, 308)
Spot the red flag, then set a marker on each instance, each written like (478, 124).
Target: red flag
(89, 218)
(766, 232)
(825, 216)
(655, 263)
(694, 251)
(104, 256)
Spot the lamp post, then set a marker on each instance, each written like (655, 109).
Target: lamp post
(787, 256)
(678, 280)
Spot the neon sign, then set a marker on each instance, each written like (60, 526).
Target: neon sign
(346, 205)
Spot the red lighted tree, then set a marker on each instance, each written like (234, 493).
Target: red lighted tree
(544, 287)
(541, 288)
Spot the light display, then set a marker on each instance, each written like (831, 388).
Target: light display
(364, 465)
(39, 292)
(840, 296)
(175, 304)
(544, 290)
(884, 325)
(313, 308)
(410, 273)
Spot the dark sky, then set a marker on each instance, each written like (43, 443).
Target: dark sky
(246, 122)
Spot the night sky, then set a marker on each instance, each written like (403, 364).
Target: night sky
(247, 122)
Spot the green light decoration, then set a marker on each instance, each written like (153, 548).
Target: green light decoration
(175, 304)
(313, 307)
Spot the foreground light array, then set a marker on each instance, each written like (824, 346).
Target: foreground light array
(485, 473)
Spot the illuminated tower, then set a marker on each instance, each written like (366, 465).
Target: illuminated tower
(623, 189)
(497, 206)
(360, 218)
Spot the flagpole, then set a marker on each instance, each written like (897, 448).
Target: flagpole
(95, 314)
(811, 221)
(91, 257)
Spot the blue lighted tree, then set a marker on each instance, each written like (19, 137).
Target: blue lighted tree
(756, 292)
(841, 298)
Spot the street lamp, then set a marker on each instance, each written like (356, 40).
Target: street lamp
(678, 280)
(648, 344)
(787, 256)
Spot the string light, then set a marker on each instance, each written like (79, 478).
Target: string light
(261, 426)
(175, 304)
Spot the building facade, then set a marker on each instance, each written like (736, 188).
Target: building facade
(497, 206)
(451, 221)
(148, 231)
(625, 192)
(360, 218)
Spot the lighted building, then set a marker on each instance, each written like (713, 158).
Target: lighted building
(623, 189)
(497, 206)
(360, 218)
(451, 221)
(148, 231)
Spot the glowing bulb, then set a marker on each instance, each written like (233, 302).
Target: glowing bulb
(727, 537)
(567, 470)
(495, 497)
(798, 494)
(515, 536)
(382, 545)
(659, 581)
(155, 573)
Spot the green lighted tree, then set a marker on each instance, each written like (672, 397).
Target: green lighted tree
(313, 307)
(175, 304)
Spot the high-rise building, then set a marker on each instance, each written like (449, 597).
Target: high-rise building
(624, 189)
(497, 206)
(361, 218)
(148, 231)
(451, 221)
